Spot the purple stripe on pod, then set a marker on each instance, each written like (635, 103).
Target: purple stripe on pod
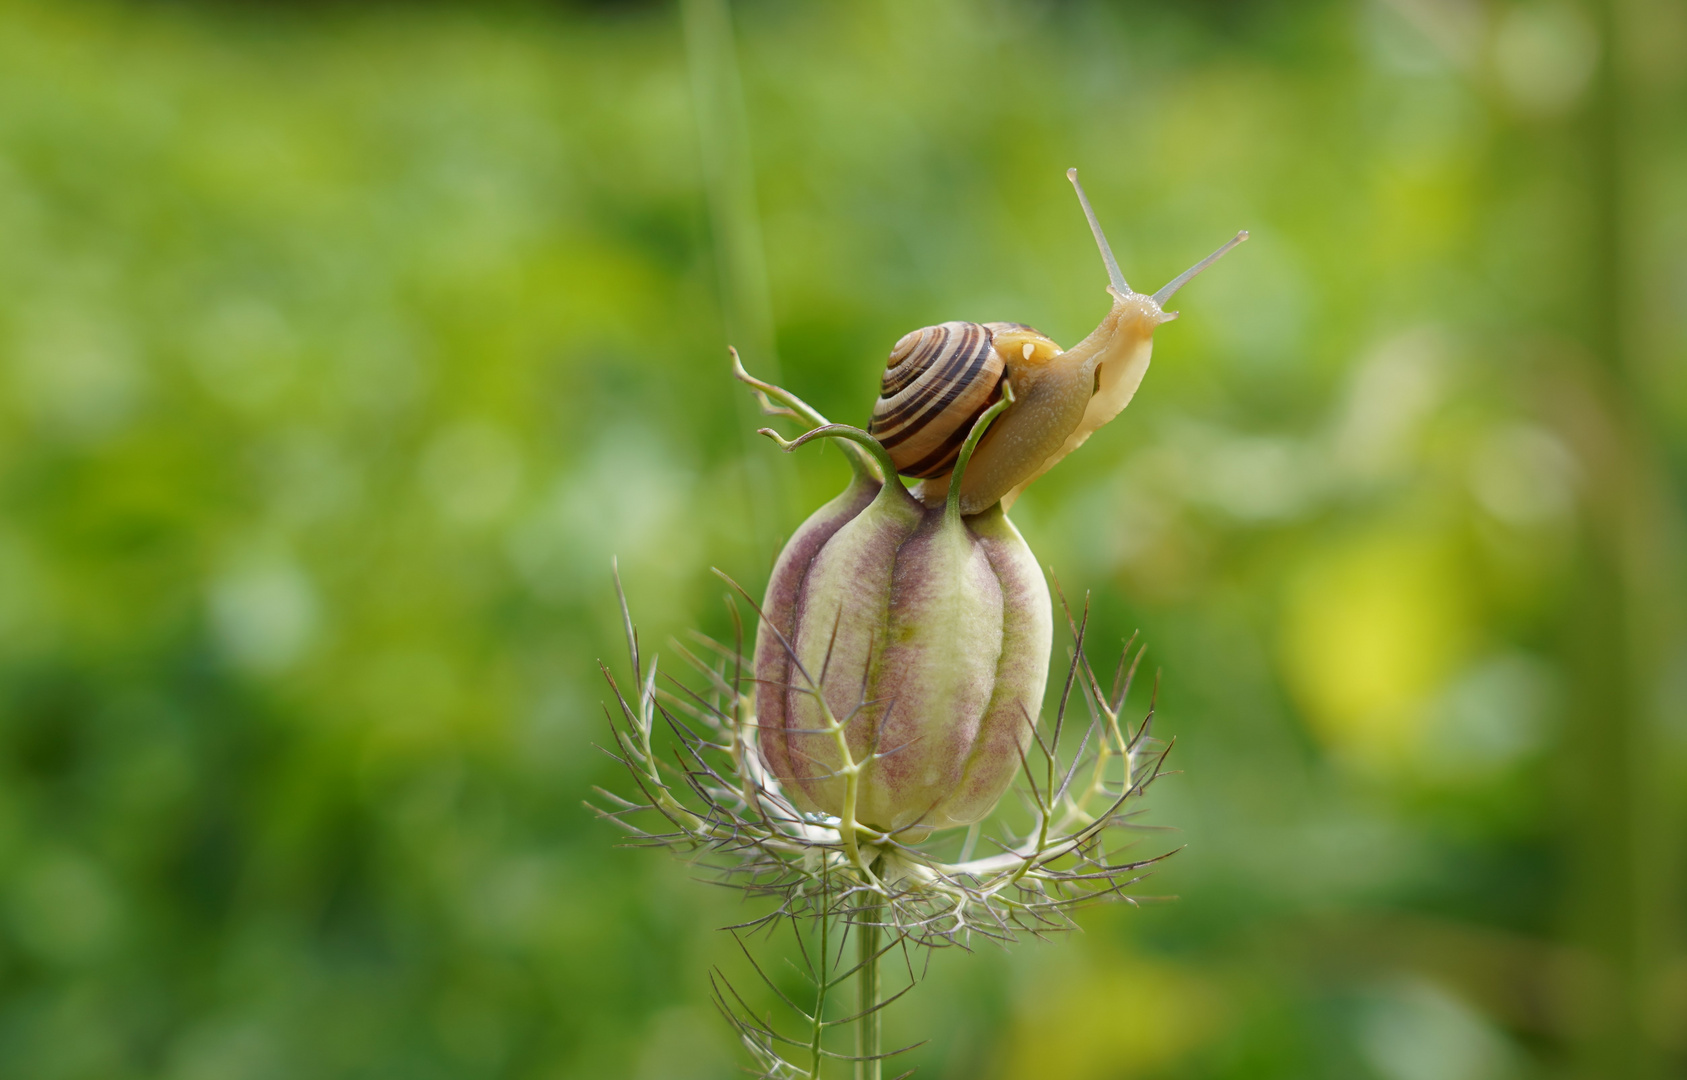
(779, 611)
(839, 634)
(937, 674)
(1021, 675)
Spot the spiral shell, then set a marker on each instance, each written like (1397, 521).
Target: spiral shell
(937, 383)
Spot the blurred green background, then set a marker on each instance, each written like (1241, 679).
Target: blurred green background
(342, 344)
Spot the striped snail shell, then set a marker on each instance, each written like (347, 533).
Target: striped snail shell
(937, 383)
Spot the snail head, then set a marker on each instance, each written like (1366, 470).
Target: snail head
(1063, 396)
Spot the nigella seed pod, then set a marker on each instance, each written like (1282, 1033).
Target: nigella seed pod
(901, 659)
(903, 648)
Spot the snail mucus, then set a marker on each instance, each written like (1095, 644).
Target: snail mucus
(904, 641)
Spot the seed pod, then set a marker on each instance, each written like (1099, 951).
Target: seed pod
(901, 660)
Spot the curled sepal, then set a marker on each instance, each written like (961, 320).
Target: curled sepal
(850, 436)
(778, 401)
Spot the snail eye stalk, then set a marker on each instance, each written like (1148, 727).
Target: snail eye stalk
(1115, 277)
(1182, 279)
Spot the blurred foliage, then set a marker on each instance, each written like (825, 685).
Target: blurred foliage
(340, 347)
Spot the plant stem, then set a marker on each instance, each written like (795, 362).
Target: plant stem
(867, 1033)
(723, 132)
(1621, 869)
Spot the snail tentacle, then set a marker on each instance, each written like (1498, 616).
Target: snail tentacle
(1182, 279)
(1115, 276)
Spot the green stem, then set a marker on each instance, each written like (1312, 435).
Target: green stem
(816, 1052)
(735, 233)
(729, 178)
(1621, 873)
(952, 508)
(867, 1031)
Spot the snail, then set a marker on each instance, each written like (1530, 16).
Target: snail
(940, 379)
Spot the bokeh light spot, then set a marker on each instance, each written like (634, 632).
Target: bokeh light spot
(1369, 631)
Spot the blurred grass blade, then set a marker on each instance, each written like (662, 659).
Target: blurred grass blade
(735, 229)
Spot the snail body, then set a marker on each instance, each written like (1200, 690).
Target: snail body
(940, 379)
